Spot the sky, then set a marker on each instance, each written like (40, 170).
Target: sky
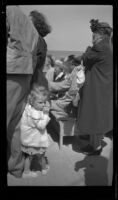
(70, 24)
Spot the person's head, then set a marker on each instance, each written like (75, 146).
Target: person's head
(100, 30)
(62, 59)
(58, 67)
(70, 58)
(40, 23)
(38, 97)
(71, 63)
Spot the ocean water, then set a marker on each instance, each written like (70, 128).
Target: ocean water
(62, 54)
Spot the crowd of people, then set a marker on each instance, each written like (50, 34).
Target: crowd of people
(40, 86)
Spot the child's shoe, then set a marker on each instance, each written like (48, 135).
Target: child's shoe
(44, 171)
(47, 167)
(29, 174)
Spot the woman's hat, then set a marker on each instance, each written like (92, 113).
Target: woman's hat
(100, 27)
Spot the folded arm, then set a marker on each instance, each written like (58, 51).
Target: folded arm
(42, 123)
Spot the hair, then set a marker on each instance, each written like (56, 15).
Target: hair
(72, 60)
(40, 23)
(102, 28)
(37, 92)
(70, 57)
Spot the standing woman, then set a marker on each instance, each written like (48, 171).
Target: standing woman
(95, 113)
(43, 28)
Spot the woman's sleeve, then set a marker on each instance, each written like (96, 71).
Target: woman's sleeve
(90, 57)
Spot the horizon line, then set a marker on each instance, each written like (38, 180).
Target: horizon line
(63, 50)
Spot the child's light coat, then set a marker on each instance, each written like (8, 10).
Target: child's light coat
(33, 128)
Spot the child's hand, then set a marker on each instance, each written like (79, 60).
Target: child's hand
(46, 108)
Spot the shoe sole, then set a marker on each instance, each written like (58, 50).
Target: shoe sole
(44, 173)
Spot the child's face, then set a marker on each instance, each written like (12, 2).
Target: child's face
(39, 104)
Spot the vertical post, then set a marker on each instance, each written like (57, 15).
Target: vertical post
(61, 134)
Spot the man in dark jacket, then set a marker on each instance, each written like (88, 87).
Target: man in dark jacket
(95, 113)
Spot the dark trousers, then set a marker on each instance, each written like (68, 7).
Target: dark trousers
(39, 162)
(42, 161)
(28, 161)
(18, 86)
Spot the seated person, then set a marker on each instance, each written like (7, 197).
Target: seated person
(67, 89)
(56, 74)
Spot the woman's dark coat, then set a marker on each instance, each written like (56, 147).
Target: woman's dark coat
(95, 112)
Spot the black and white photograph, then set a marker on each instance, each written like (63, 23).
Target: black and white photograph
(59, 65)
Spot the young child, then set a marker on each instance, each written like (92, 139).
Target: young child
(34, 135)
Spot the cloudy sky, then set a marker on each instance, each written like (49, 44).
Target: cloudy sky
(70, 24)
